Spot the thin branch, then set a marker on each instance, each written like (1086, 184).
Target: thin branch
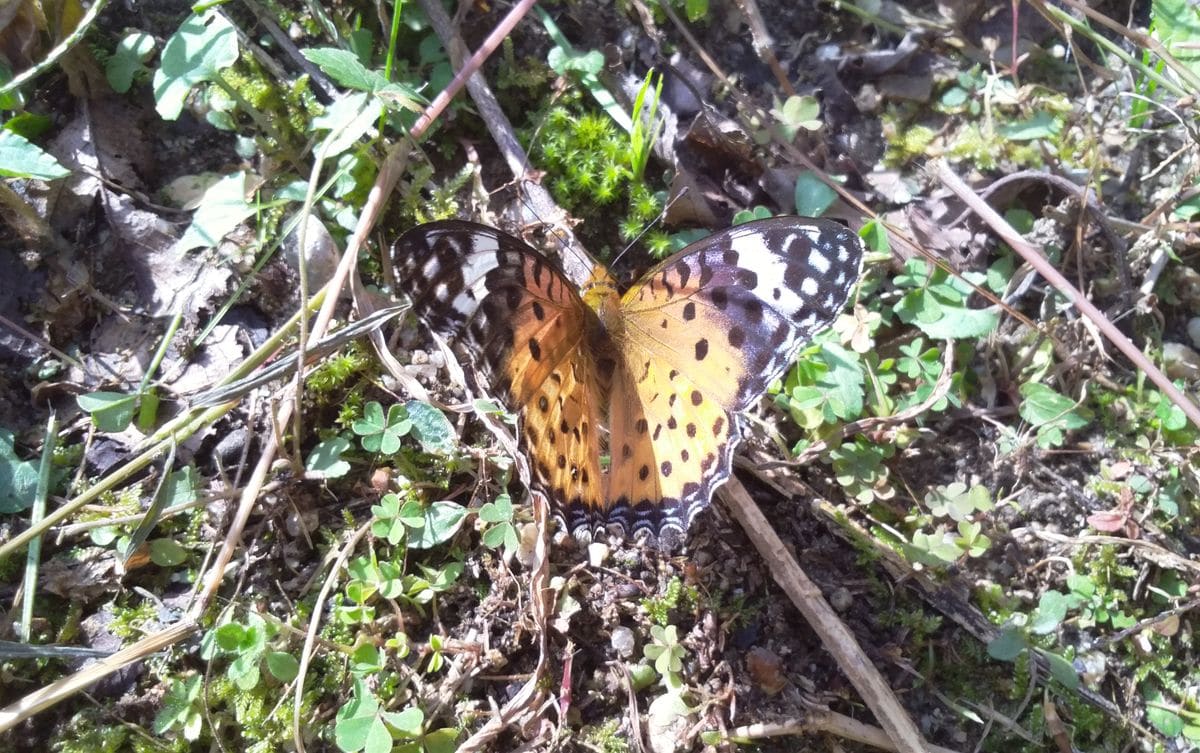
(835, 637)
(1043, 266)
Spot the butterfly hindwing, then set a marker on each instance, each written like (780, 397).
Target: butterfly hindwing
(669, 445)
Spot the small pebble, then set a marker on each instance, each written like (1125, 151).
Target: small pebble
(597, 553)
(841, 599)
(623, 641)
(1193, 330)
(1180, 361)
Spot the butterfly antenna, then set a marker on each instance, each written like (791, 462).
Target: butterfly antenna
(656, 221)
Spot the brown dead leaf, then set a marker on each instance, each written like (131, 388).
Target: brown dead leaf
(1167, 627)
(767, 670)
(80, 578)
(21, 25)
(1119, 519)
(691, 200)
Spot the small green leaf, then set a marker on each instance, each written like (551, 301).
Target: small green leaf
(407, 722)
(1050, 612)
(110, 411)
(1042, 405)
(220, 210)
(442, 520)
(1041, 125)
(230, 636)
(954, 97)
(18, 478)
(393, 520)
(132, 51)
(798, 112)
(499, 511)
(180, 487)
(444, 740)
(358, 720)
(562, 61)
(244, 671)
(326, 458)
(367, 659)
(382, 433)
(282, 665)
(961, 323)
(813, 196)
(431, 428)
(1008, 645)
(696, 10)
(167, 553)
(1163, 718)
(179, 708)
(27, 124)
(875, 236)
(198, 51)
(1061, 669)
(348, 119)
(1081, 585)
(21, 158)
(345, 68)
(148, 410)
(501, 535)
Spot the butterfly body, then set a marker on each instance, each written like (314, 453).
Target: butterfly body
(628, 403)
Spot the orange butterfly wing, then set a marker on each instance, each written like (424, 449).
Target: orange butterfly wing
(525, 334)
(702, 336)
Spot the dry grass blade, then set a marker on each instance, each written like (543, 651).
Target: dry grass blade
(763, 44)
(56, 692)
(310, 638)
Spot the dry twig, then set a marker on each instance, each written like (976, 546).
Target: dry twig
(1039, 262)
(824, 621)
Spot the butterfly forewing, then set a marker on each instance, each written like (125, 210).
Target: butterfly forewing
(755, 293)
(695, 341)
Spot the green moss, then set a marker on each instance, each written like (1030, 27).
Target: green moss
(130, 622)
(589, 159)
(659, 608)
(529, 73)
(970, 144)
(263, 716)
(93, 730)
(335, 372)
(604, 737)
(124, 501)
(906, 142)
(284, 112)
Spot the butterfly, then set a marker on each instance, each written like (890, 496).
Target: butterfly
(628, 404)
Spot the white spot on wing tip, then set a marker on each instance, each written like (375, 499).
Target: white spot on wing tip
(485, 243)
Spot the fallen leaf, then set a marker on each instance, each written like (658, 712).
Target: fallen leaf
(766, 668)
